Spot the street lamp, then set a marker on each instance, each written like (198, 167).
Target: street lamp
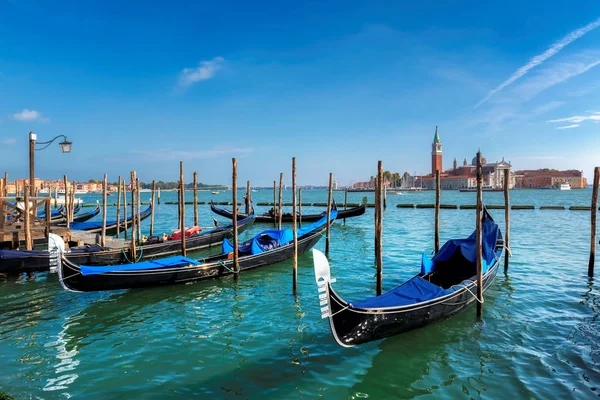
(65, 147)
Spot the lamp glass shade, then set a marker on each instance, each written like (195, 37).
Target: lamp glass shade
(65, 146)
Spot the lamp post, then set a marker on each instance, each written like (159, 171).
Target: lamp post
(65, 147)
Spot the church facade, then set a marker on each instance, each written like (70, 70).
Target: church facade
(465, 175)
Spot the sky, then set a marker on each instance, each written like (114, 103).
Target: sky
(338, 85)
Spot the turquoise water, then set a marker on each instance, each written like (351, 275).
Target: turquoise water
(540, 335)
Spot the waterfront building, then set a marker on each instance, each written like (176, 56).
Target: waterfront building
(465, 175)
(549, 178)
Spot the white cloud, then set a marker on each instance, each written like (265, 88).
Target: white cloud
(537, 60)
(29, 115)
(556, 74)
(568, 126)
(205, 70)
(578, 118)
(9, 141)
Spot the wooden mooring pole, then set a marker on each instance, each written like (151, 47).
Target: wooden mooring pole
(28, 239)
(329, 197)
(133, 221)
(104, 188)
(300, 207)
(48, 216)
(66, 207)
(437, 211)
(139, 208)
(119, 207)
(124, 208)
(593, 222)
(6, 184)
(158, 195)
(195, 198)
(152, 201)
(345, 201)
(478, 250)
(294, 228)
(248, 199)
(280, 211)
(182, 185)
(384, 197)
(378, 227)
(274, 203)
(507, 253)
(236, 267)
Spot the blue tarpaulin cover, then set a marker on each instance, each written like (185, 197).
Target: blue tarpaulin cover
(86, 226)
(417, 289)
(267, 240)
(154, 264)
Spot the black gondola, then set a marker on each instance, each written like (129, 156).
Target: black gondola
(446, 285)
(111, 226)
(288, 217)
(268, 247)
(18, 261)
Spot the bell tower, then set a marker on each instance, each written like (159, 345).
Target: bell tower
(436, 153)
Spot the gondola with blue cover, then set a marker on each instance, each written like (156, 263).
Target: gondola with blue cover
(268, 247)
(446, 285)
(111, 226)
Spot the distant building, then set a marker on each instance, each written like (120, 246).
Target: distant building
(548, 178)
(463, 176)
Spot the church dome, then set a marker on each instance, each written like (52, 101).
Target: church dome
(483, 160)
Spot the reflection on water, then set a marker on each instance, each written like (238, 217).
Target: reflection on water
(253, 339)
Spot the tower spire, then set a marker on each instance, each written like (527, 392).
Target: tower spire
(436, 138)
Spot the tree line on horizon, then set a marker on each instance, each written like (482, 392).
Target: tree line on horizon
(168, 185)
(394, 178)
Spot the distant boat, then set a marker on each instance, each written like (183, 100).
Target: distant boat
(562, 186)
(394, 192)
(215, 192)
(254, 190)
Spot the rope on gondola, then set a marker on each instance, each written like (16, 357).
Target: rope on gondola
(225, 266)
(138, 259)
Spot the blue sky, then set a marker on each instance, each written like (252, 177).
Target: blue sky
(339, 85)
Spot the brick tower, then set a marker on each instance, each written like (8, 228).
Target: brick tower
(436, 153)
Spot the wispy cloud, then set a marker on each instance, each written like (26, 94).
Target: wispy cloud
(29, 115)
(568, 126)
(537, 60)
(540, 158)
(577, 119)
(544, 108)
(205, 70)
(9, 141)
(170, 155)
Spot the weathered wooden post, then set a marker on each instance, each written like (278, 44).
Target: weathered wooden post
(66, 208)
(48, 217)
(2, 187)
(158, 195)
(593, 222)
(195, 198)
(182, 183)
(478, 251)
(28, 241)
(139, 208)
(248, 198)
(300, 207)
(378, 227)
(72, 201)
(119, 207)
(294, 227)
(236, 267)
(507, 254)
(104, 187)
(437, 211)
(125, 208)
(6, 184)
(329, 196)
(274, 203)
(280, 212)
(56, 195)
(345, 201)
(133, 221)
(152, 201)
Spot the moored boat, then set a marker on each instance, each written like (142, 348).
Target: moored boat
(18, 261)
(288, 217)
(266, 248)
(446, 285)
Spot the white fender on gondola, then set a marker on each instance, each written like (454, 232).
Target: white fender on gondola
(56, 248)
(323, 279)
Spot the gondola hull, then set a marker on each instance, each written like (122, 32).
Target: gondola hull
(14, 262)
(266, 218)
(213, 267)
(111, 229)
(354, 327)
